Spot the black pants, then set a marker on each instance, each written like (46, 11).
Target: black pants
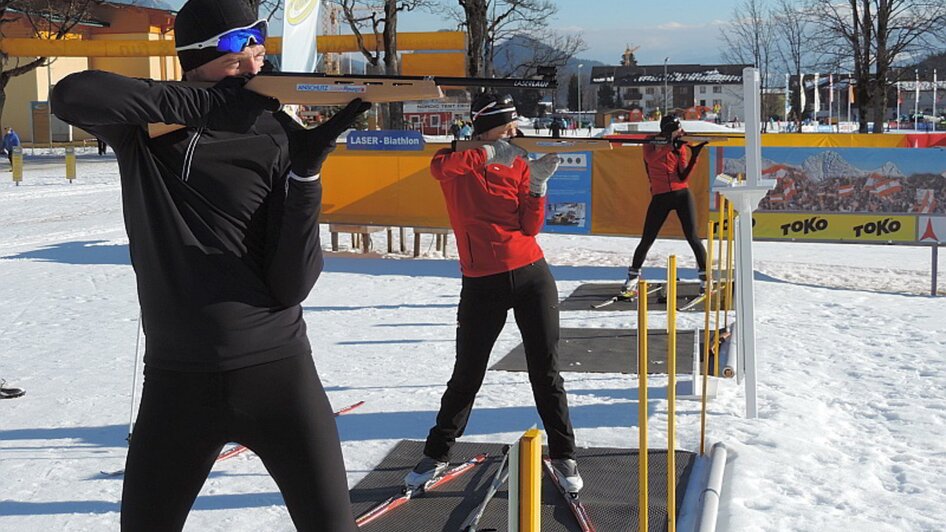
(484, 302)
(279, 410)
(657, 212)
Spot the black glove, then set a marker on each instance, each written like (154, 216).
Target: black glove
(235, 108)
(308, 148)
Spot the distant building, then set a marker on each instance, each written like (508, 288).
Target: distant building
(716, 87)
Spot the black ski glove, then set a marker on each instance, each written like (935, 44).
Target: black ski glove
(235, 108)
(308, 148)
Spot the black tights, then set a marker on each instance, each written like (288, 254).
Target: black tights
(484, 303)
(279, 410)
(657, 212)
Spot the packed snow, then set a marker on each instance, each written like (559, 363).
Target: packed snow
(851, 350)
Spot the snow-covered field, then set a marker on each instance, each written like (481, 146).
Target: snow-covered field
(852, 400)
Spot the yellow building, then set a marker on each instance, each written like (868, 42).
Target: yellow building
(26, 109)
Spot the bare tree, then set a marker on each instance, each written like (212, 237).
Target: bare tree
(380, 18)
(791, 24)
(876, 35)
(47, 19)
(490, 22)
(749, 39)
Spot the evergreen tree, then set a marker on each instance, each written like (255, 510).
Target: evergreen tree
(573, 92)
(606, 97)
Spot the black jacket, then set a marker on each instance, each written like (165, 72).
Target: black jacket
(224, 244)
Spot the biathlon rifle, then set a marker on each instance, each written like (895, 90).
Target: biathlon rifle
(330, 90)
(543, 144)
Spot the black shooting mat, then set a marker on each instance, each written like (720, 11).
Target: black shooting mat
(589, 294)
(610, 494)
(609, 351)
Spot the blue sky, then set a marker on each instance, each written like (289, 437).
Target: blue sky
(685, 30)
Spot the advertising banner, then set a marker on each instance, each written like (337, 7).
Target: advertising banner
(385, 140)
(834, 227)
(849, 180)
(931, 229)
(568, 203)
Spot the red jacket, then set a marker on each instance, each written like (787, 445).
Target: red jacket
(494, 218)
(666, 168)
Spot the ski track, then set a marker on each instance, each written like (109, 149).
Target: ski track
(852, 412)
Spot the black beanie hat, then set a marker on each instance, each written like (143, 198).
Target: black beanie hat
(199, 20)
(491, 110)
(669, 124)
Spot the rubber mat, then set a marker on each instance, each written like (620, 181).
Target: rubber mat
(609, 351)
(587, 295)
(610, 494)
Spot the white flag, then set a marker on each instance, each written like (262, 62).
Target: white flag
(801, 94)
(817, 96)
(300, 27)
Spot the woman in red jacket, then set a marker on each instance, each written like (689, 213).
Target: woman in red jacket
(496, 203)
(668, 168)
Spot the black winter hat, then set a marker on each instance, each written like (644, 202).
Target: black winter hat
(669, 124)
(199, 20)
(491, 110)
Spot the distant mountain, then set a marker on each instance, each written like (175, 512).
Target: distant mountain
(823, 166)
(520, 49)
(829, 165)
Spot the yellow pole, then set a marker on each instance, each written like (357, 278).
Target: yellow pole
(730, 257)
(718, 295)
(530, 481)
(642, 398)
(17, 165)
(706, 339)
(70, 163)
(671, 393)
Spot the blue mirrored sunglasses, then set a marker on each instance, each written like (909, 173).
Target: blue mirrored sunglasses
(233, 41)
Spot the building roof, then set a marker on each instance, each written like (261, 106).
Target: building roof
(676, 75)
(160, 5)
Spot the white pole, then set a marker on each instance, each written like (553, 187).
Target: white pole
(934, 99)
(788, 96)
(817, 103)
(579, 98)
(916, 101)
(746, 198)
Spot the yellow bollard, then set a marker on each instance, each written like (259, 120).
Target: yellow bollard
(17, 165)
(642, 398)
(717, 297)
(530, 481)
(70, 163)
(706, 337)
(671, 393)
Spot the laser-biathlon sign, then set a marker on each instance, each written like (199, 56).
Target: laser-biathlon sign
(835, 227)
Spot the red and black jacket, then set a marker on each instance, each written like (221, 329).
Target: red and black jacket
(668, 168)
(494, 217)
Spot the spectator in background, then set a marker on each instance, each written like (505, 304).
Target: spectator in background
(10, 140)
(466, 132)
(101, 145)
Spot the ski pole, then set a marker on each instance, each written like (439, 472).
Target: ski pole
(501, 475)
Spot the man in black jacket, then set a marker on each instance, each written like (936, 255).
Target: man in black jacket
(222, 223)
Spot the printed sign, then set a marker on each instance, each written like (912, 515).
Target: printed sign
(322, 87)
(931, 229)
(834, 227)
(568, 202)
(385, 140)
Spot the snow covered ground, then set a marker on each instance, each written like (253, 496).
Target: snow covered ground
(852, 400)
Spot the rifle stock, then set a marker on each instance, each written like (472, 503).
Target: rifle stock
(543, 144)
